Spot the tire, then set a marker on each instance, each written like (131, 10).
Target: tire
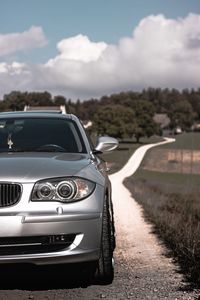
(104, 270)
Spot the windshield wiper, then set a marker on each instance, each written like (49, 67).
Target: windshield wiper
(11, 151)
(52, 150)
(33, 150)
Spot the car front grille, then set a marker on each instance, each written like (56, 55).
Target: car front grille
(10, 194)
(35, 244)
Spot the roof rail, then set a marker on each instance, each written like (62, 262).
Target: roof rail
(49, 109)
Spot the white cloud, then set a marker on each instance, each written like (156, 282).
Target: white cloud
(79, 48)
(161, 53)
(13, 69)
(12, 42)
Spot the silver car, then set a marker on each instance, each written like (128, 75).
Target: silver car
(55, 195)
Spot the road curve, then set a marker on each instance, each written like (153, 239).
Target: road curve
(134, 162)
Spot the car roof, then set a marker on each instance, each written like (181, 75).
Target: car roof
(37, 114)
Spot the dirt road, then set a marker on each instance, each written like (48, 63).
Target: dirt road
(141, 269)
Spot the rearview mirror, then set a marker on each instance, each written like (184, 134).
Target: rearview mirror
(106, 143)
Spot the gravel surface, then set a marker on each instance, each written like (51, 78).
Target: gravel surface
(142, 271)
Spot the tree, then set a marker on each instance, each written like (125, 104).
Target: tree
(144, 112)
(16, 100)
(182, 114)
(59, 100)
(40, 99)
(122, 122)
(117, 121)
(146, 127)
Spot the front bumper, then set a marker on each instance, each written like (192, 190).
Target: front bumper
(85, 246)
(29, 219)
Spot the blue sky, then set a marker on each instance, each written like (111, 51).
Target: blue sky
(63, 46)
(100, 20)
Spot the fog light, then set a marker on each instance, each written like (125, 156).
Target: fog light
(61, 239)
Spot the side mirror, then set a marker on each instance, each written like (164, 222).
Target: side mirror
(106, 143)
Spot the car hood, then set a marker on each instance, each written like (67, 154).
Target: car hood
(31, 167)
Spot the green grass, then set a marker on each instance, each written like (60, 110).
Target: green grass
(188, 141)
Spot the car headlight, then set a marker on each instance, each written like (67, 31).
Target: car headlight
(62, 189)
(45, 191)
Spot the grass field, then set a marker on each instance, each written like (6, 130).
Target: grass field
(183, 181)
(183, 156)
(171, 202)
(188, 141)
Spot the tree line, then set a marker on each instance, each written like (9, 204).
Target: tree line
(120, 115)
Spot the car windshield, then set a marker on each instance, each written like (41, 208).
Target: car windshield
(40, 134)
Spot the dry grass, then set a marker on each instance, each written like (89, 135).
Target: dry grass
(171, 202)
(173, 160)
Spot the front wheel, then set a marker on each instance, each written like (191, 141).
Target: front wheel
(104, 270)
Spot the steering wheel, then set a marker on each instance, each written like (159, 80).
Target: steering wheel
(51, 147)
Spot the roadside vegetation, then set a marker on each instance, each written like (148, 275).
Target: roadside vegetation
(171, 201)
